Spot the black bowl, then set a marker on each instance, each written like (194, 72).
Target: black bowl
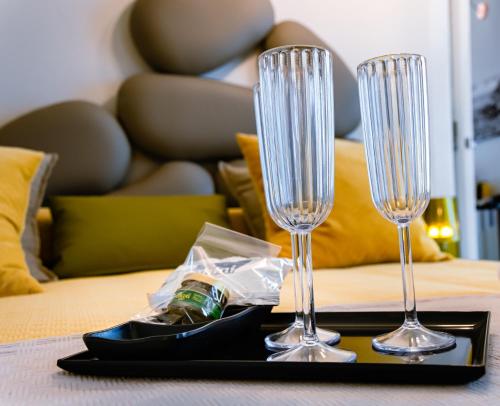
(140, 340)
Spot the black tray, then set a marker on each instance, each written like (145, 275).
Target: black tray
(245, 359)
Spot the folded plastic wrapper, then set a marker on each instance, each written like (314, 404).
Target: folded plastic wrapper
(245, 268)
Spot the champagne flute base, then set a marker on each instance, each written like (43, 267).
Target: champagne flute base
(313, 352)
(413, 338)
(292, 337)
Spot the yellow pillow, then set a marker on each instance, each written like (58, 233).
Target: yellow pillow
(354, 233)
(19, 174)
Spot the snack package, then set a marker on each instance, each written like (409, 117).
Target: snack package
(222, 268)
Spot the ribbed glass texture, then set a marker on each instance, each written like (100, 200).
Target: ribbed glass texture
(393, 97)
(296, 127)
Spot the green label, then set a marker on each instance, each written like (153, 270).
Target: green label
(206, 303)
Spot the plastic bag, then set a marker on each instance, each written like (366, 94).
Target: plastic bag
(222, 268)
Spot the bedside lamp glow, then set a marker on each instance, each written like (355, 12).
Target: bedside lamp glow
(442, 224)
(446, 232)
(443, 231)
(433, 231)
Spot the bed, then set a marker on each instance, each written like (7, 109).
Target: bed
(75, 306)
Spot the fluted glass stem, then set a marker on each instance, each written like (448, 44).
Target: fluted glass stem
(407, 272)
(297, 282)
(306, 276)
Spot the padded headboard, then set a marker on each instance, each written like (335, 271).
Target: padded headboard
(172, 126)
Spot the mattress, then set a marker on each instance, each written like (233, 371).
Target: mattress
(75, 306)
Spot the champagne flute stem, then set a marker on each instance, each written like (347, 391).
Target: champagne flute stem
(297, 285)
(407, 273)
(306, 276)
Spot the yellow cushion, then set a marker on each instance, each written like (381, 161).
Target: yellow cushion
(354, 233)
(18, 170)
(44, 222)
(235, 215)
(237, 221)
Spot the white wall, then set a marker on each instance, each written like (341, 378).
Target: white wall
(485, 36)
(56, 50)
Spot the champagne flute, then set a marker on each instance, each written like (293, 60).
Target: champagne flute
(294, 111)
(292, 335)
(393, 99)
